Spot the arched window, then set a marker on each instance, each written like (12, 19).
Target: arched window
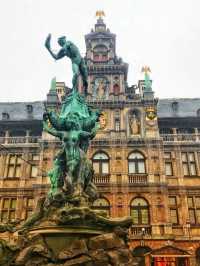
(139, 254)
(116, 89)
(101, 163)
(139, 211)
(136, 163)
(100, 53)
(102, 204)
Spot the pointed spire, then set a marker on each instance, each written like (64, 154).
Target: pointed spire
(53, 85)
(146, 70)
(100, 25)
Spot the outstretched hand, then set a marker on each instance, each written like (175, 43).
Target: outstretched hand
(47, 42)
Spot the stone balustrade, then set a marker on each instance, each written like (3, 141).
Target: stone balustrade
(101, 179)
(19, 140)
(137, 179)
(180, 137)
(140, 230)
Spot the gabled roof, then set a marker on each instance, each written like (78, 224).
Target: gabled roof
(169, 251)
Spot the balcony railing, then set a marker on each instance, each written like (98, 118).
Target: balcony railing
(181, 137)
(137, 179)
(101, 179)
(140, 230)
(18, 140)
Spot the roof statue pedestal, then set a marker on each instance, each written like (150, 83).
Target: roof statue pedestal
(65, 229)
(148, 94)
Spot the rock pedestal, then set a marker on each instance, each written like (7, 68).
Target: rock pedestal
(70, 235)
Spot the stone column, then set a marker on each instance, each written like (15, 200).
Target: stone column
(7, 135)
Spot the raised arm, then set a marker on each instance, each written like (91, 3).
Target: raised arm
(51, 131)
(57, 56)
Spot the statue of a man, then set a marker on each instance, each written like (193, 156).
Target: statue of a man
(134, 125)
(70, 50)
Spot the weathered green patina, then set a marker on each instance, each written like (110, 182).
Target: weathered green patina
(70, 50)
(75, 126)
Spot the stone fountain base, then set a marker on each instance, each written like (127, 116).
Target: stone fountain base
(59, 246)
(71, 236)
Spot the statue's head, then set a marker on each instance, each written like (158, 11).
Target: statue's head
(62, 41)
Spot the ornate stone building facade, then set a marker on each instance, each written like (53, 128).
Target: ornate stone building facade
(146, 157)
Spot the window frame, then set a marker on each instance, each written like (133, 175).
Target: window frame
(173, 207)
(8, 209)
(100, 163)
(138, 208)
(136, 162)
(187, 163)
(168, 161)
(14, 164)
(195, 208)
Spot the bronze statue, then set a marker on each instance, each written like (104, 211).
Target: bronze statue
(70, 50)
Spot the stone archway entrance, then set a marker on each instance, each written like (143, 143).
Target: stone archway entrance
(139, 254)
(169, 256)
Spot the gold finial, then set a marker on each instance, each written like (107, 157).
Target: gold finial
(146, 69)
(100, 13)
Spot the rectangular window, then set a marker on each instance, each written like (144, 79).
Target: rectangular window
(141, 167)
(168, 164)
(29, 207)
(117, 125)
(105, 169)
(189, 164)
(35, 157)
(96, 167)
(34, 171)
(135, 216)
(198, 216)
(167, 155)
(193, 169)
(172, 201)
(173, 209)
(168, 168)
(34, 165)
(190, 202)
(185, 169)
(132, 168)
(192, 216)
(144, 216)
(173, 216)
(14, 166)
(197, 201)
(194, 209)
(8, 210)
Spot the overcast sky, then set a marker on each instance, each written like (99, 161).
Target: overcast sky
(163, 34)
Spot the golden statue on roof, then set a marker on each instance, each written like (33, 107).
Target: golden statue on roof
(100, 13)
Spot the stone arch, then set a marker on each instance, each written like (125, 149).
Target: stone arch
(139, 254)
(102, 204)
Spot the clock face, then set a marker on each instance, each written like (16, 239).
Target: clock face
(100, 89)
